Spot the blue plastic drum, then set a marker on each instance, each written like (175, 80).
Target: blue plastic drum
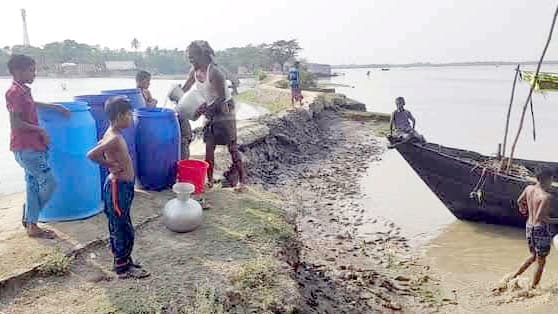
(78, 194)
(157, 144)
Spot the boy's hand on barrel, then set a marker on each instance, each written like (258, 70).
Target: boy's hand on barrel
(63, 110)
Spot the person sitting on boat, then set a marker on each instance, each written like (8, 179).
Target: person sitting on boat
(534, 202)
(404, 124)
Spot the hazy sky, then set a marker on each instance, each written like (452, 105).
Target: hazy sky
(338, 32)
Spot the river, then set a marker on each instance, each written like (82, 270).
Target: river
(463, 107)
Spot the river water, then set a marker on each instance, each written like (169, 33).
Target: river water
(47, 89)
(463, 107)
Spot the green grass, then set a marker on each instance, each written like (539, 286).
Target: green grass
(205, 301)
(56, 264)
(272, 101)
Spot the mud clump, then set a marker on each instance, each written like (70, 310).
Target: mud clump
(294, 139)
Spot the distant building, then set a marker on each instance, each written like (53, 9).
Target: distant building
(242, 70)
(88, 68)
(74, 69)
(120, 67)
(319, 69)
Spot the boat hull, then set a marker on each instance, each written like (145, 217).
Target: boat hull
(452, 175)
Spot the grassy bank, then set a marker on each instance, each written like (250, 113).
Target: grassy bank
(273, 100)
(227, 265)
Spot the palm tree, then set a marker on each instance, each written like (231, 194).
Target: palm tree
(135, 44)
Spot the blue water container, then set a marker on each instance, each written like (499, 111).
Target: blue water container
(78, 194)
(134, 94)
(97, 104)
(157, 144)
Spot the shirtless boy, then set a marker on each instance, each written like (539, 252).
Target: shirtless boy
(535, 203)
(118, 191)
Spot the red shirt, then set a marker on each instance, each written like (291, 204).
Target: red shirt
(19, 100)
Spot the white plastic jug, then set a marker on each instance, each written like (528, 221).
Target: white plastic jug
(186, 103)
(182, 214)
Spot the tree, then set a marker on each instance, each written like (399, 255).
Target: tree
(283, 50)
(135, 44)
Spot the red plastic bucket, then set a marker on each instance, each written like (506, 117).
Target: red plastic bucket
(192, 171)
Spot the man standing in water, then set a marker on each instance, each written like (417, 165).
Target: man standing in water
(535, 202)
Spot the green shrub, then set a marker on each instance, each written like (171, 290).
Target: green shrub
(260, 75)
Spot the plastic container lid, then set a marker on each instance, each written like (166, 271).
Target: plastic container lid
(154, 112)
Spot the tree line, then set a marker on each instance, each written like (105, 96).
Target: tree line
(154, 59)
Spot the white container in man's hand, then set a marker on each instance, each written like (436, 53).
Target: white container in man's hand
(186, 103)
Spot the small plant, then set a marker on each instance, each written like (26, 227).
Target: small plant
(283, 84)
(57, 264)
(206, 301)
(256, 274)
(260, 75)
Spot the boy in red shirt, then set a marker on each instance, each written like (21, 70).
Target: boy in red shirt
(29, 142)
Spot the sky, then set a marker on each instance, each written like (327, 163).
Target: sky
(334, 32)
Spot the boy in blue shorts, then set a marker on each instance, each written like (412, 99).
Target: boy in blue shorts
(535, 203)
(29, 143)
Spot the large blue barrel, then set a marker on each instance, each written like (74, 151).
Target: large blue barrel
(134, 94)
(97, 104)
(78, 194)
(157, 144)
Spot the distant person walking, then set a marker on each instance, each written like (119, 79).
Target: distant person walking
(294, 82)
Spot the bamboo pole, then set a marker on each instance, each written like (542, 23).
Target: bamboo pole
(505, 143)
(532, 88)
(533, 118)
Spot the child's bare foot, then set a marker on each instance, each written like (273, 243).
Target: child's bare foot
(134, 273)
(34, 231)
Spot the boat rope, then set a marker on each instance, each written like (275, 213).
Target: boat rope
(477, 192)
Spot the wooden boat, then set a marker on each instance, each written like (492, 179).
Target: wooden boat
(467, 184)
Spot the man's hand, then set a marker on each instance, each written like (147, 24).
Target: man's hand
(115, 169)
(201, 110)
(523, 207)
